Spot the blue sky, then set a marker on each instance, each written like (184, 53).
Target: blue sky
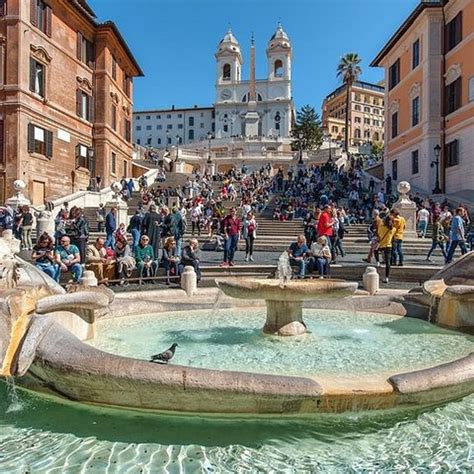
(174, 41)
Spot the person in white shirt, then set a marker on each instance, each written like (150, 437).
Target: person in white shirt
(320, 257)
(422, 219)
(445, 214)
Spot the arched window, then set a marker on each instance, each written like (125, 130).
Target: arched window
(357, 132)
(278, 68)
(226, 72)
(334, 129)
(245, 98)
(277, 121)
(376, 136)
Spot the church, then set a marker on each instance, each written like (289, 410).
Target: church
(245, 109)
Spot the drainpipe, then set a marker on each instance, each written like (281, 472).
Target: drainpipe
(443, 111)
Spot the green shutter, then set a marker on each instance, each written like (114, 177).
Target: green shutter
(49, 143)
(31, 138)
(33, 12)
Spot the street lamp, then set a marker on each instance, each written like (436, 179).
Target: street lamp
(437, 188)
(209, 138)
(300, 136)
(167, 139)
(177, 147)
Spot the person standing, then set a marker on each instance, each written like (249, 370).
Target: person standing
(134, 227)
(231, 231)
(178, 228)
(111, 227)
(457, 235)
(438, 238)
(386, 231)
(151, 227)
(399, 223)
(100, 213)
(26, 225)
(422, 219)
(249, 233)
(325, 228)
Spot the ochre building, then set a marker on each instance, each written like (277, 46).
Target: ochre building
(366, 113)
(66, 85)
(429, 96)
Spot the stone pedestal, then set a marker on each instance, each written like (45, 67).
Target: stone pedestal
(371, 280)
(406, 208)
(179, 166)
(284, 318)
(251, 123)
(45, 223)
(19, 199)
(122, 210)
(189, 281)
(88, 278)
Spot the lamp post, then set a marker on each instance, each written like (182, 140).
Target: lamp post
(435, 163)
(177, 147)
(300, 136)
(209, 138)
(167, 139)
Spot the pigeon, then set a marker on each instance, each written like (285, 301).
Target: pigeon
(164, 357)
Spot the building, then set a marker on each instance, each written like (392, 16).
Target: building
(65, 98)
(429, 118)
(243, 108)
(366, 119)
(165, 128)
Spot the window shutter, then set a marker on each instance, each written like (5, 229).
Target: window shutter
(2, 140)
(79, 46)
(33, 12)
(31, 138)
(32, 74)
(49, 143)
(48, 19)
(459, 27)
(78, 102)
(91, 108)
(91, 62)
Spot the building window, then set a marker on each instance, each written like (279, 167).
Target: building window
(127, 130)
(180, 115)
(278, 68)
(226, 127)
(226, 72)
(376, 111)
(453, 32)
(366, 133)
(127, 81)
(357, 107)
(138, 141)
(180, 125)
(113, 118)
(394, 124)
(148, 117)
(376, 123)
(202, 114)
(159, 127)
(191, 134)
(82, 156)
(395, 170)
(148, 127)
(213, 126)
(201, 125)
(357, 119)
(158, 117)
(452, 153)
(159, 141)
(357, 133)
(453, 96)
(334, 129)
(37, 77)
(394, 74)
(40, 16)
(366, 121)
(169, 126)
(3, 7)
(113, 163)
(114, 68)
(367, 110)
(415, 111)
(471, 89)
(357, 97)
(376, 136)
(138, 128)
(40, 141)
(85, 50)
(84, 105)
(168, 140)
(168, 116)
(415, 54)
(137, 117)
(191, 121)
(415, 165)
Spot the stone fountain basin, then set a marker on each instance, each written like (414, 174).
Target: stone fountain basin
(294, 290)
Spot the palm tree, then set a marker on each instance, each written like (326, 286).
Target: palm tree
(349, 69)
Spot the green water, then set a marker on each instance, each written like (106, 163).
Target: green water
(339, 342)
(45, 436)
(41, 434)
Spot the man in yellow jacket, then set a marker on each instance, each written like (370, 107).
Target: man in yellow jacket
(399, 223)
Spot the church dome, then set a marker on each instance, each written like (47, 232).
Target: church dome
(228, 44)
(279, 38)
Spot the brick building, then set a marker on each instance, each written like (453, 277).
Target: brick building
(65, 98)
(429, 97)
(366, 109)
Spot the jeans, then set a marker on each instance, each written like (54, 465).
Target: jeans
(26, 237)
(435, 244)
(320, 264)
(76, 270)
(230, 245)
(387, 253)
(179, 245)
(100, 226)
(196, 225)
(147, 271)
(300, 264)
(249, 245)
(136, 237)
(452, 247)
(397, 250)
(422, 227)
(167, 265)
(338, 247)
(110, 241)
(51, 269)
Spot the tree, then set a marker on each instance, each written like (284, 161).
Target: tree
(377, 149)
(308, 124)
(349, 69)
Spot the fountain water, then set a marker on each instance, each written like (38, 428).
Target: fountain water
(284, 272)
(15, 403)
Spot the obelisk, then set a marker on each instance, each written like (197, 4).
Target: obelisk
(251, 117)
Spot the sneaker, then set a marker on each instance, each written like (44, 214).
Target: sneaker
(251, 259)
(428, 260)
(385, 280)
(246, 258)
(224, 264)
(231, 264)
(366, 260)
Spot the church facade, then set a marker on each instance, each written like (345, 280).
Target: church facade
(243, 108)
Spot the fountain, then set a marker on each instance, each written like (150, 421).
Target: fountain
(284, 297)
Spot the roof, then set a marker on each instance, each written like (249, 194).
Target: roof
(161, 111)
(360, 84)
(422, 6)
(123, 43)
